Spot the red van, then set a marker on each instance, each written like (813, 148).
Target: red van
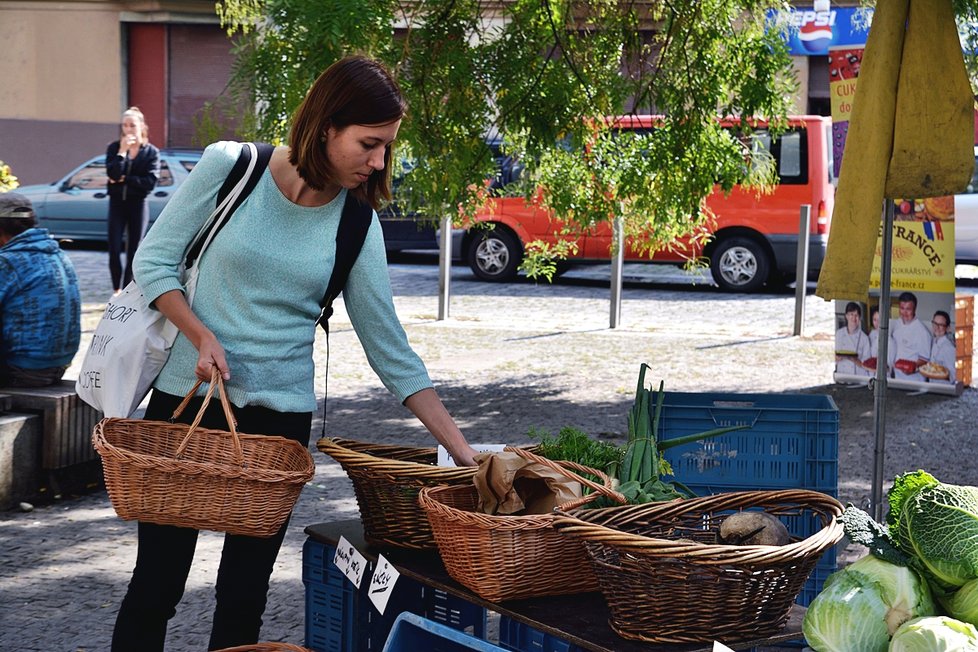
(755, 240)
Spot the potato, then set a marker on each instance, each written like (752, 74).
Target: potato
(753, 529)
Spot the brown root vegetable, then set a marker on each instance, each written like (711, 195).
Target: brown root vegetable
(753, 529)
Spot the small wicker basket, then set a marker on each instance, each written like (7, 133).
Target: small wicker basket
(172, 474)
(386, 480)
(511, 557)
(666, 580)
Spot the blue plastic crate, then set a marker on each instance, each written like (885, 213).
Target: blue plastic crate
(792, 443)
(340, 618)
(413, 633)
(520, 637)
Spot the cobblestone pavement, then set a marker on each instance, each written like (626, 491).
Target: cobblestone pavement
(512, 357)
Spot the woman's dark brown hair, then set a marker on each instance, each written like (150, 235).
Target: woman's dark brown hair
(354, 90)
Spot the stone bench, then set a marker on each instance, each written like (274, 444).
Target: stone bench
(67, 422)
(59, 441)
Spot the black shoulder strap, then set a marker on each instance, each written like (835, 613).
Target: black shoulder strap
(350, 235)
(234, 176)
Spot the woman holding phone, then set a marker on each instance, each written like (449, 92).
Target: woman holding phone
(133, 166)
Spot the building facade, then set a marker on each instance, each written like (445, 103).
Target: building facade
(72, 67)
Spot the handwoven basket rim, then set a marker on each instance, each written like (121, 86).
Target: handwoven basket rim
(571, 523)
(146, 461)
(336, 448)
(428, 499)
(430, 504)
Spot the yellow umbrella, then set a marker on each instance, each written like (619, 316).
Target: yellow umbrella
(910, 135)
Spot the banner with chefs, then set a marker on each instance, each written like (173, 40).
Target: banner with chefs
(922, 351)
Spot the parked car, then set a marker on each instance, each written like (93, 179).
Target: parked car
(75, 207)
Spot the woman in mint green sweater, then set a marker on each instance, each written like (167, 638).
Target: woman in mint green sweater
(254, 319)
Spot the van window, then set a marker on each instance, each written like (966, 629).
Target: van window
(830, 154)
(790, 152)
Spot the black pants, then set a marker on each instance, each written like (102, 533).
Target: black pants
(165, 552)
(129, 217)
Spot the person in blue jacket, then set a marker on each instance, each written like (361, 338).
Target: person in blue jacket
(40, 307)
(253, 319)
(133, 166)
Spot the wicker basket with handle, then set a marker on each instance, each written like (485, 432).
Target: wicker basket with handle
(174, 474)
(511, 557)
(386, 480)
(667, 580)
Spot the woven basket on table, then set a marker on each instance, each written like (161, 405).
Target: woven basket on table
(174, 474)
(666, 580)
(511, 557)
(386, 480)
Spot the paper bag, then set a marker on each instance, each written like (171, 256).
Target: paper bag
(510, 485)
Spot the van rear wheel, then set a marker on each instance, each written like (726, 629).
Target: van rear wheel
(740, 265)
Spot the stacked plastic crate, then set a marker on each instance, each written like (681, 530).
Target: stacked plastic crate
(341, 618)
(964, 326)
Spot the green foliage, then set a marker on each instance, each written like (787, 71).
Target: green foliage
(575, 445)
(540, 74)
(7, 180)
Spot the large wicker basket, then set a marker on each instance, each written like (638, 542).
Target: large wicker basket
(386, 480)
(174, 474)
(511, 557)
(666, 580)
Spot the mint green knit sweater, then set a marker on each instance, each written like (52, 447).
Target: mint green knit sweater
(259, 289)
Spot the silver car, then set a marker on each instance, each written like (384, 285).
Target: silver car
(76, 207)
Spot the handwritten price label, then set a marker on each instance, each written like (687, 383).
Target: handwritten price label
(382, 583)
(445, 458)
(350, 562)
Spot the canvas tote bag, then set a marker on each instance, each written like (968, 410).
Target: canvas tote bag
(132, 340)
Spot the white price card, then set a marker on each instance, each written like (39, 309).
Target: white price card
(382, 583)
(445, 458)
(350, 562)
(720, 647)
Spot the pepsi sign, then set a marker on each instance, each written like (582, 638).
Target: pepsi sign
(812, 33)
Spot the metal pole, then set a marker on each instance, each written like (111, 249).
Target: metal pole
(444, 268)
(801, 268)
(879, 389)
(617, 269)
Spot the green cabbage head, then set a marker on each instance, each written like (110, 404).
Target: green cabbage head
(935, 634)
(938, 524)
(963, 603)
(863, 604)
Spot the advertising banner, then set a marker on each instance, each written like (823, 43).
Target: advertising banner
(844, 65)
(814, 33)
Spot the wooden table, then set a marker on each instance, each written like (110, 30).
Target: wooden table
(581, 619)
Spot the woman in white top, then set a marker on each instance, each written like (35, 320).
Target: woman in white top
(943, 350)
(851, 343)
